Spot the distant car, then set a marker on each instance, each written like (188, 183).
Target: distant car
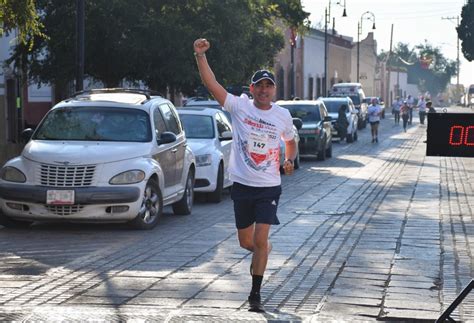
(105, 155)
(333, 104)
(209, 134)
(204, 102)
(368, 101)
(315, 133)
(357, 95)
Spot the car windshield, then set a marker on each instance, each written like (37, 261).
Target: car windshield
(355, 99)
(197, 127)
(95, 124)
(334, 106)
(307, 113)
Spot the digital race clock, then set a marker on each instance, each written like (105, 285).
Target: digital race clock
(450, 134)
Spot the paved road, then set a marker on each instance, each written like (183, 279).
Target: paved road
(379, 231)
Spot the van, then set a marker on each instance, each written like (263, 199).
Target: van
(357, 95)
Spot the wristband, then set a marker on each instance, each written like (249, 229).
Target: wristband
(199, 55)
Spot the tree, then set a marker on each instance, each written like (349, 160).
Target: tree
(466, 30)
(21, 15)
(151, 40)
(425, 66)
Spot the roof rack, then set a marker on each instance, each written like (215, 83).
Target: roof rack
(146, 93)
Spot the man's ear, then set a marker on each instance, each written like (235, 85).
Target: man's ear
(251, 87)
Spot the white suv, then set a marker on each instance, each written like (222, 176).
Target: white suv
(108, 155)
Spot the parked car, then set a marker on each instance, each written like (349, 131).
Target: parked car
(333, 104)
(315, 133)
(209, 134)
(368, 101)
(204, 102)
(357, 95)
(106, 155)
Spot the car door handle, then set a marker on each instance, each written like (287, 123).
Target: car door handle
(174, 150)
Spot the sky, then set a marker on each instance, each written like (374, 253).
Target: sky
(414, 21)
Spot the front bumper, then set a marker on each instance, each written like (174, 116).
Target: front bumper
(91, 204)
(83, 195)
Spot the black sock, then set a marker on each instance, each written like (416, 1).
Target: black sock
(256, 284)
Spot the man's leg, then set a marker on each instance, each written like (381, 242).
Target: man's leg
(255, 238)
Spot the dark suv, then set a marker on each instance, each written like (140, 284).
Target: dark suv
(315, 134)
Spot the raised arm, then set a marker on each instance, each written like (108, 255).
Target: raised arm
(201, 45)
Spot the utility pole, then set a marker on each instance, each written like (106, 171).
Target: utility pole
(387, 97)
(79, 45)
(457, 59)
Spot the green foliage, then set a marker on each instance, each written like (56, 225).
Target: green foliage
(435, 78)
(466, 30)
(20, 14)
(152, 40)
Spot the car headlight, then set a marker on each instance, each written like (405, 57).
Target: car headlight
(12, 174)
(203, 160)
(128, 177)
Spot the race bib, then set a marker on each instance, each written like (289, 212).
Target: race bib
(258, 143)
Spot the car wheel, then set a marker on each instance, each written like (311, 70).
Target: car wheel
(8, 222)
(329, 150)
(349, 138)
(322, 153)
(216, 196)
(297, 161)
(185, 205)
(151, 209)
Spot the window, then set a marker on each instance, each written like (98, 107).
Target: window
(306, 112)
(170, 119)
(310, 88)
(222, 124)
(198, 126)
(95, 124)
(160, 125)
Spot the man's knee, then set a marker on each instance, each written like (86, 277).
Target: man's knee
(246, 244)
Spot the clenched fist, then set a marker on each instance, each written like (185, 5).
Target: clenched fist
(201, 45)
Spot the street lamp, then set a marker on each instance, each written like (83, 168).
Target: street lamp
(370, 17)
(327, 18)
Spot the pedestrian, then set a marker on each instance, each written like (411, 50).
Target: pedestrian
(422, 109)
(396, 110)
(411, 106)
(429, 107)
(258, 125)
(374, 111)
(342, 122)
(405, 113)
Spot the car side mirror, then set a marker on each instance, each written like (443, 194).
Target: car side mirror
(226, 135)
(298, 123)
(327, 119)
(26, 134)
(166, 138)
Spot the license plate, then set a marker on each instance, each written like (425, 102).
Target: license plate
(60, 197)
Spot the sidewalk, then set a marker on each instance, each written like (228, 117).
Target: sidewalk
(379, 231)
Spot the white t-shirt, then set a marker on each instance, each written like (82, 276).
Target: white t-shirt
(374, 113)
(255, 155)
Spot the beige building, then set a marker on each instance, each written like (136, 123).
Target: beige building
(367, 65)
(308, 62)
(339, 59)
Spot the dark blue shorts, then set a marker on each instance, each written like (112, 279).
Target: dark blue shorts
(255, 204)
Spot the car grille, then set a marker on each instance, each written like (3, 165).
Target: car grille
(66, 176)
(64, 209)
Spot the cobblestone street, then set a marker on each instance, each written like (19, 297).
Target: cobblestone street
(378, 232)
